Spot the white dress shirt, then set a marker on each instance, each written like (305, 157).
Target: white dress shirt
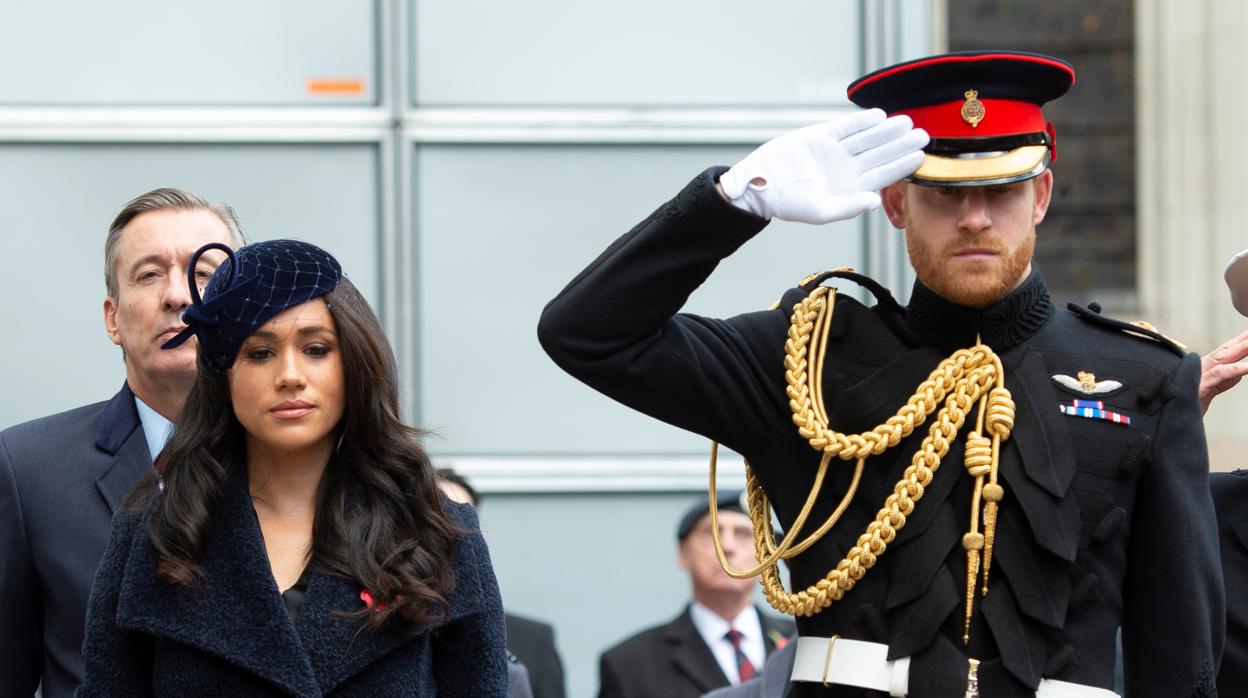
(713, 629)
(156, 429)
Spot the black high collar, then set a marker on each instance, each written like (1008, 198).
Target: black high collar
(1003, 325)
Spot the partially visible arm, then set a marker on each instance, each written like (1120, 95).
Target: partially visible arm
(21, 636)
(118, 661)
(1174, 615)
(617, 325)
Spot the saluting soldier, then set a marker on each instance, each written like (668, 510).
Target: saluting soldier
(978, 488)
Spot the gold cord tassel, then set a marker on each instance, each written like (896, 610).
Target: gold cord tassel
(978, 462)
(1000, 422)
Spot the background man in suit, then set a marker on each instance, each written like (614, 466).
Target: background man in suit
(531, 642)
(720, 639)
(63, 476)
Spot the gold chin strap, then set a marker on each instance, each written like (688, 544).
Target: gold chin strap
(966, 377)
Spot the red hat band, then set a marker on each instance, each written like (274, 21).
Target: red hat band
(997, 117)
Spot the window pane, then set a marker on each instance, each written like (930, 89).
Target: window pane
(646, 52)
(501, 229)
(176, 52)
(58, 202)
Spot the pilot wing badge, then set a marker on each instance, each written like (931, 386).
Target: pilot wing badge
(1086, 383)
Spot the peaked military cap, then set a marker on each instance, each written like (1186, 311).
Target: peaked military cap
(254, 284)
(982, 110)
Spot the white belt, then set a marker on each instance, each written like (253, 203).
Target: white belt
(866, 665)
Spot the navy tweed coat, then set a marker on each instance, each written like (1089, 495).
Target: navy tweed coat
(232, 636)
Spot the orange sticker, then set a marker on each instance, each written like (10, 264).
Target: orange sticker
(335, 86)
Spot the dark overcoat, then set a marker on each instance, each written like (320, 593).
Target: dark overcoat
(672, 660)
(1104, 524)
(1230, 497)
(231, 634)
(61, 479)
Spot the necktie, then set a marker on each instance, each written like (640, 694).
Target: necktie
(745, 668)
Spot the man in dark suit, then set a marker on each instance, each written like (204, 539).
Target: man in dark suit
(720, 639)
(63, 476)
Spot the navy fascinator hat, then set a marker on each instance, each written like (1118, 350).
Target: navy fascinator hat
(256, 282)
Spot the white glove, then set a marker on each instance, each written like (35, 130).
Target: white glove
(826, 172)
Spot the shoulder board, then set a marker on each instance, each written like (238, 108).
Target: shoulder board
(882, 295)
(1141, 329)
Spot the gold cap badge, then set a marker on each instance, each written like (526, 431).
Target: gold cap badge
(972, 109)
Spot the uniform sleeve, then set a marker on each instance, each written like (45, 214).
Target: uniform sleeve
(1174, 619)
(616, 326)
(118, 661)
(21, 637)
(470, 653)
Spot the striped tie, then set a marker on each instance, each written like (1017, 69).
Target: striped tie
(745, 668)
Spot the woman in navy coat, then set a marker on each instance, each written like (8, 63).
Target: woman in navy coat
(295, 542)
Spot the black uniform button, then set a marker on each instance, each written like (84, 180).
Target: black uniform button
(1110, 525)
(1086, 593)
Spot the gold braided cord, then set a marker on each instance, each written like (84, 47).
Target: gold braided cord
(768, 552)
(964, 378)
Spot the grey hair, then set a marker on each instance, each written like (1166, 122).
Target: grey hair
(163, 199)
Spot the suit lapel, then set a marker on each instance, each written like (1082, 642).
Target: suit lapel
(120, 436)
(691, 655)
(234, 612)
(775, 632)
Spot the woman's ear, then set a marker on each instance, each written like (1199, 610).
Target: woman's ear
(894, 199)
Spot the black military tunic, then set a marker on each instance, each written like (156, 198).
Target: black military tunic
(1103, 524)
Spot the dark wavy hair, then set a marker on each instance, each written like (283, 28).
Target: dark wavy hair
(379, 520)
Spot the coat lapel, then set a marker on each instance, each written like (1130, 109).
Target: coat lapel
(120, 436)
(691, 655)
(234, 611)
(338, 648)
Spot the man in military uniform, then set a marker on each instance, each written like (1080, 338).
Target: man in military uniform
(1006, 482)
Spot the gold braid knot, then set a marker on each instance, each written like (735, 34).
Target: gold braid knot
(958, 382)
